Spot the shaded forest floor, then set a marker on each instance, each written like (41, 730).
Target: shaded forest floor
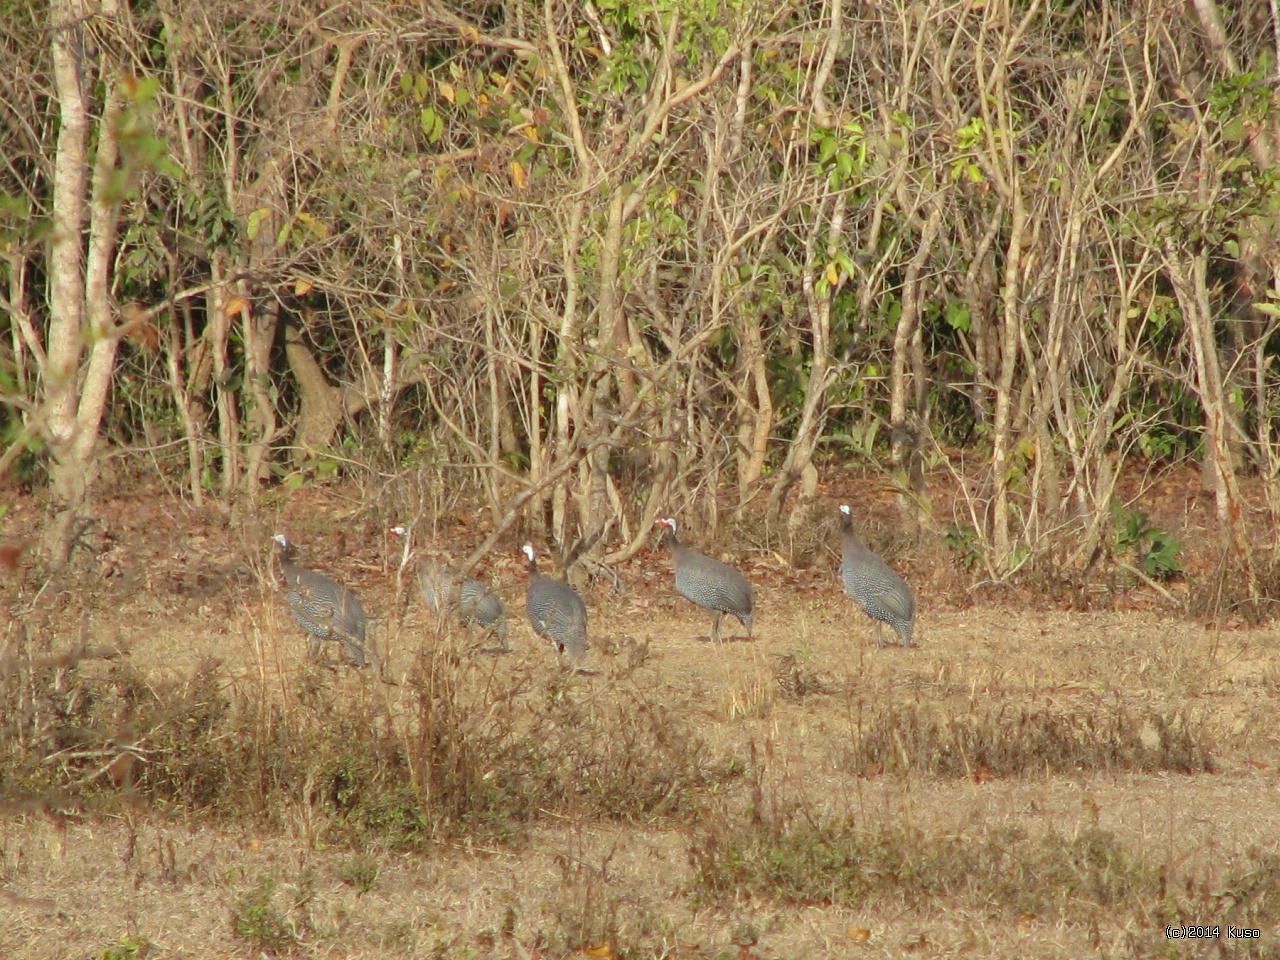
(1036, 779)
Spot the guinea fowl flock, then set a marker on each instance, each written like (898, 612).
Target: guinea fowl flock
(327, 610)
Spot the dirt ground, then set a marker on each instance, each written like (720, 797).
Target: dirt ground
(145, 883)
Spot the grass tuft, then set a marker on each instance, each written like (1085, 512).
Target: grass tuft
(461, 751)
(1005, 742)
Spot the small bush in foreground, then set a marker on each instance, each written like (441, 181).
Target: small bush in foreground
(1003, 742)
(1072, 878)
(457, 750)
(257, 920)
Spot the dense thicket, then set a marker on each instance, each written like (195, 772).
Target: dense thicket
(585, 260)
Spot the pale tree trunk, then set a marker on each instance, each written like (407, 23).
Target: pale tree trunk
(391, 353)
(1270, 466)
(755, 420)
(813, 414)
(320, 409)
(258, 324)
(1002, 426)
(755, 416)
(567, 401)
(176, 364)
(1191, 288)
(537, 454)
(80, 312)
(595, 509)
(492, 479)
(904, 441)
(218, 336)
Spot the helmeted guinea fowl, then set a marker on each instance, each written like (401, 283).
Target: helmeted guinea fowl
(325, 609)
(476, 601)
(874, 587)
(709, 583)
(556, 611)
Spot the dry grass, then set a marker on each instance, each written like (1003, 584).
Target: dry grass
(1048, 784)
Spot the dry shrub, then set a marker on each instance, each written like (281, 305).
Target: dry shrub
(1225, 595)
(464, 749)
(1010, 741)
(796, 679)
(1078, 877)
(842, 864)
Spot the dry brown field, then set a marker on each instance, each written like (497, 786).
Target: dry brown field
(1031, 781)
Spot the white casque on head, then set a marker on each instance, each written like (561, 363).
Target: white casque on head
(281, 539)
(528, 550)
(844, 508)
(669, 522)
(398, 531)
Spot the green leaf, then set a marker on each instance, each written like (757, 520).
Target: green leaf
(432, 125)
(1234, 129)
(844, 165)
(170, 168)
(957, 316)
(1270, 309)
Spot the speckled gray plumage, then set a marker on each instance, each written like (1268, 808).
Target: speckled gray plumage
(325, 609)
(710, 584)
(875, 587)
(477, 603)
(556, 612)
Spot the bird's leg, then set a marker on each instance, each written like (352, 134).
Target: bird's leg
(879, 634)
(715, 626)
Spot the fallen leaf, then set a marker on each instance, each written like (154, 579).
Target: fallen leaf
(518, 174)
(858, 934)
(603, 951)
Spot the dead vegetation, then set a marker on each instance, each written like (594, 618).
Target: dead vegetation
(461, 749)
(1004, 741)
(1028, 782)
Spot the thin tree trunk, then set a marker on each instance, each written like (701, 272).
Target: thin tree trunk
(175, 362)
(566, 386)
(1002, 427)
(1191, 288)
(903, 439)
(537, 451)
(259, 331)
(218, 333)
(813, 413)
(755, 420)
